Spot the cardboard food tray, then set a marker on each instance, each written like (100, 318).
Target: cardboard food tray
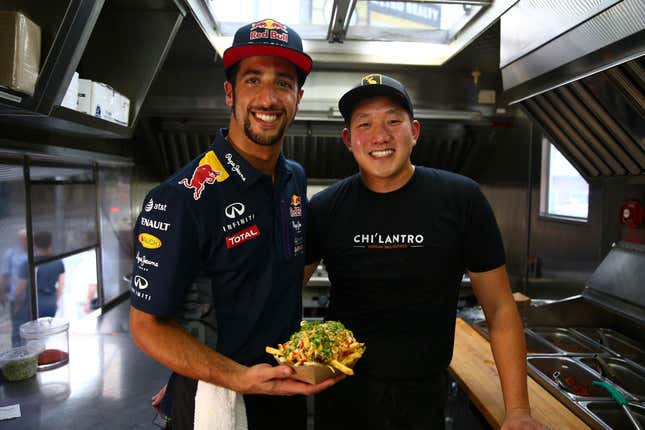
(312, 373)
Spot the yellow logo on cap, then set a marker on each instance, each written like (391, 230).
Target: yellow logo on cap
(372, 79)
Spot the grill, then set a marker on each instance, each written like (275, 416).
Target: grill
(598, 335)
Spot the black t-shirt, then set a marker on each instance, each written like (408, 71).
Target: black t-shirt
(395, 261)
(225, 221)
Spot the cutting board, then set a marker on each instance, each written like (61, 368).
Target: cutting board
(473, 368)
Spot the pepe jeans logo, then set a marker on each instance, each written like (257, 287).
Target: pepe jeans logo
(234, 210)
(234, 167)
(142, 262)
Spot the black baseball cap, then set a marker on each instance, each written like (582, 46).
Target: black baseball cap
(374, 85)
(268, 37)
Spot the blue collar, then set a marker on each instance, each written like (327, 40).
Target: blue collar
(238, 168)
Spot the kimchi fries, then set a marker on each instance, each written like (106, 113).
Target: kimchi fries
(328, 343)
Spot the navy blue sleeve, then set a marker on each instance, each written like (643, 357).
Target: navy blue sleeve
(483, 246)
(168, 253)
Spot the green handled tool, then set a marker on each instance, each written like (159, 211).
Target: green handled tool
(615, 394)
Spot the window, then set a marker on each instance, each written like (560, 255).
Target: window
(564, 193)
(70, 240)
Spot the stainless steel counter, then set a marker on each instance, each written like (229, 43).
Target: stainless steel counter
(107, 383)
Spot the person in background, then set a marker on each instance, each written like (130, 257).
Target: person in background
(396, 239)
(50, 279)
(230, 216)
(12, 261)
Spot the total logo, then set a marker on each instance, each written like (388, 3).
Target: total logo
(140, 282)
(242, 236)
(151, 205)
(157, 225)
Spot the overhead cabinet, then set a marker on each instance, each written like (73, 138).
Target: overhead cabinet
(119, 43)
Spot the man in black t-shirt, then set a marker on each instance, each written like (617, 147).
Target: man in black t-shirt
(396, 240)
(229, 217)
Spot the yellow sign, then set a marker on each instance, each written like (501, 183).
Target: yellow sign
(149, 241)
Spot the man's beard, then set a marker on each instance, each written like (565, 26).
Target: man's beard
(260, 139)
(264, 140)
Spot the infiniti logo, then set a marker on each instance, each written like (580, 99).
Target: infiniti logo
(234, 209)
(140, 282)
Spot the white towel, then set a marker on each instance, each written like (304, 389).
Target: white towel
(218, 408)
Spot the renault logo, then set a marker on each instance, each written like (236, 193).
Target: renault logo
(234, 210)
(140, 282)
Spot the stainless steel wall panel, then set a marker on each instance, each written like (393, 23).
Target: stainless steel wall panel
(608, 39)
(532, 23)
(588, 138)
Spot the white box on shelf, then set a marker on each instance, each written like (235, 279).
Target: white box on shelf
(71, 95)
(84, 96)
(103, 101)
(122, 109)
(100, 100)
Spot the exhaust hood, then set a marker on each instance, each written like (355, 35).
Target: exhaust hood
(576, 67)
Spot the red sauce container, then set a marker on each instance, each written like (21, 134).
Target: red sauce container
(53, 335)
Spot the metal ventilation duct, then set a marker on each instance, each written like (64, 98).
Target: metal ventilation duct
(598, 122)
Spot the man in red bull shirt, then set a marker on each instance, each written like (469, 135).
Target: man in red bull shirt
(233, 215)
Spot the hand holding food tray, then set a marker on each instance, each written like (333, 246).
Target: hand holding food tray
(319, 350)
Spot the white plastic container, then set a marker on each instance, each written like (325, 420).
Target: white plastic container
(53, 333)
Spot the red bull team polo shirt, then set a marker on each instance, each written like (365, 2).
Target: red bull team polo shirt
(221, 218)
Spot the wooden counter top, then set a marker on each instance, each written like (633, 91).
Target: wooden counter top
(473, 368)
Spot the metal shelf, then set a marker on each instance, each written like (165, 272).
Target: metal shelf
(113, 42)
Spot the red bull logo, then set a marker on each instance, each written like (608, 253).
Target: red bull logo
(295, 200)
(269, 29)
(269, 24)
(209, 171)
